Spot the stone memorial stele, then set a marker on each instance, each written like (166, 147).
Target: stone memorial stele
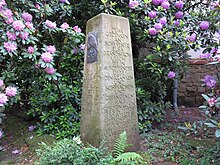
(108, 97)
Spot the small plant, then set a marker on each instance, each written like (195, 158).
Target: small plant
(131, 158)
(212, 103)
(214, 124)
(194, 128)
(122, 157)
(67, 152)
(120, 145)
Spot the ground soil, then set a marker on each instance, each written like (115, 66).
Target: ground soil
(18, 137)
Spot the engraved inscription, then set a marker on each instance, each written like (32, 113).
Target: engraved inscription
(119, 97)
(92, 48)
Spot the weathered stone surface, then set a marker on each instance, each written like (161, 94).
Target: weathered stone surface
(109, 99)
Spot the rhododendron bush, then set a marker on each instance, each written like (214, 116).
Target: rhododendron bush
(42, 52)
(167, 30)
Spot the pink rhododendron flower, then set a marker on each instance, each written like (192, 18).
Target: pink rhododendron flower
(133, 4)
(64, 1)
(29, 25)
(18, 25)
(204, 25)
(50, 24)
(37, 6)
(152, 14)
(64, 25)
(2, 3)
(27, 17)
(165, 5)
(10, 46)
(47, 57)
(163, 20)
(75, 51)
(205, 55)
(50, 70)
(214, 50)
(171, 74)
(30, 49)
(31, 128)
(152, 31)
(179, 14)
(212, 102)
(210, 81)
(16, 152)
(179, 5)
(51, 49)
(192, 38)
(3, 99)
(11, 36)
(214, 5)
(7, 13)
(156, 2)
(23, 35)
(158, 26)
(11, 91)
(1, 83)
(77, 29)
(176, 22)
(1, 134)
(9, 20)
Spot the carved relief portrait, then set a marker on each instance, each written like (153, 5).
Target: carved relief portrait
(92, 48)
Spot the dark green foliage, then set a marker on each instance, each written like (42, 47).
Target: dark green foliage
(149, 112)
(74, 152)
(2, 115)
(53, 99)
(69, 152)
(183, 150)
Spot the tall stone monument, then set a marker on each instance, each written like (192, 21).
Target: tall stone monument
(108, 98)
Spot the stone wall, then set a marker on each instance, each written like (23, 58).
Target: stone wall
(190, 89)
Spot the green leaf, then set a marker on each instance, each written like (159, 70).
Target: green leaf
(104, 1)
(120, 144)
(2, 115)
(183, 128)
(210, 125)
(203, 107)
(217, 105)
(213, 121)
(128, 157)
(205, 97)
(217, 133)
